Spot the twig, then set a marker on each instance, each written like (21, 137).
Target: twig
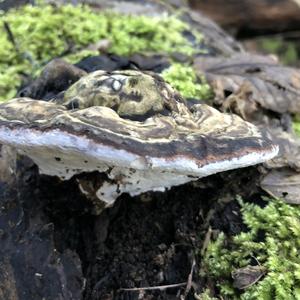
(25, 55)
(189, 281)
(206, 240)
(11, 36)
(158, 287)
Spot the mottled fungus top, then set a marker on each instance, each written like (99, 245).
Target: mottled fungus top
(133, 127)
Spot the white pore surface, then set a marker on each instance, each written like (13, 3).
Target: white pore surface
(62, 154)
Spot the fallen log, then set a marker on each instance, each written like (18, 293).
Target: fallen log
(250, 17)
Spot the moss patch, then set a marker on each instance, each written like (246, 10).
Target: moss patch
(42, 33)
(287, 51)
(296, 125)
(184, 79)
(273, 240)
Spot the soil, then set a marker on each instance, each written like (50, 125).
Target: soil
(55, 247)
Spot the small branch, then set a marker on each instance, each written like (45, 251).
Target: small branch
(25, 55)
(11, 36)
(206, 240)
(158, 287)
(189, 281)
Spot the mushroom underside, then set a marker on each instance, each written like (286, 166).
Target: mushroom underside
(59, 153)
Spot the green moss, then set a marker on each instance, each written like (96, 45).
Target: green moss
(77, 56)
(42, 33)
(184, 79)
(287, 51)
(296, 124)
(205, 296)
(296, 127)
(278, 252)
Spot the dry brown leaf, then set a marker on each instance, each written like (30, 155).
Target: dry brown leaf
(247, 276)
(249, 84)
(283, 183)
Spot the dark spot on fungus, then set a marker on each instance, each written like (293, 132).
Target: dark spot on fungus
(133, 96)
(74, 104)
(253, 70)
(57, 158)
(82, 86)
(133, 82)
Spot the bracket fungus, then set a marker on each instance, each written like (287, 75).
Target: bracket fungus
(135, 130)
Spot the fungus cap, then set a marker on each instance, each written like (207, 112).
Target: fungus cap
(134, 128)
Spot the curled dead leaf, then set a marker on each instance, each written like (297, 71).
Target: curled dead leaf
(247, 276)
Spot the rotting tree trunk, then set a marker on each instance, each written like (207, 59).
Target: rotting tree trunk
(252, 16)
